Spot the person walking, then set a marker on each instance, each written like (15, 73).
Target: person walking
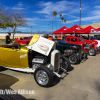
(8, 38)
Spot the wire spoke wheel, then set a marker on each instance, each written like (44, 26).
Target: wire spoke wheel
(64, 63)
(92, 52)
(73, 59)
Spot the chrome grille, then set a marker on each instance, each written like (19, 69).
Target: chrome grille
(55, 60)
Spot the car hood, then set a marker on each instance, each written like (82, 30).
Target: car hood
(67, 44)
(98, 42)
(91, 41)
(41, 45)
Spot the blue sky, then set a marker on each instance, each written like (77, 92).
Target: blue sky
(40, 12)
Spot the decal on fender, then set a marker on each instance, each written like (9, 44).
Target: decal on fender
(23, 56)
(43, 47)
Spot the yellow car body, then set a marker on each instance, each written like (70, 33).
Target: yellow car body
(39, 57)
(13, 56)
(17, 58)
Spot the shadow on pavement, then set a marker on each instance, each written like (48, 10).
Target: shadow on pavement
(2, 69)
(56, 80)
(71, 68)
(5, 82)
(97, 84)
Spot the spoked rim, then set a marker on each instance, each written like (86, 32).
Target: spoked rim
(91, 52)
(73, 59)
(42, 77)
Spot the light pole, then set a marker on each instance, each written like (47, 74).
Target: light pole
(31, 30)
(80, 14)
(48, 26)
(56, 26)
(52, 25)
(71, 23)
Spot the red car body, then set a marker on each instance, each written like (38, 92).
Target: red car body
(23, 41)
(86, 44)
(93, 42)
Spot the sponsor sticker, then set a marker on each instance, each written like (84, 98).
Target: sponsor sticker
(43, 47)
(23, 56)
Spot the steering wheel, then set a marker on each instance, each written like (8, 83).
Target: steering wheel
(18, 45)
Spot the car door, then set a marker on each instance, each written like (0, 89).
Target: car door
(74, 40)
(11, 57)
(1, 56)
(68, 40)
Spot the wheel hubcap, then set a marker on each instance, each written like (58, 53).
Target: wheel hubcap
(91, 52)
(42, 77)
(72, 59)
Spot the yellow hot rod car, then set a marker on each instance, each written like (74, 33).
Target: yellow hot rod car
(39, 57)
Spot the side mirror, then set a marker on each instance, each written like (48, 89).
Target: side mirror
(18, 45)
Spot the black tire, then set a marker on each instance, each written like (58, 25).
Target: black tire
(85, 55)
(65, 63)
(99, 49)
(92, 52)
(6, 97)
(47, 72)
(1, 68)
(73, 59)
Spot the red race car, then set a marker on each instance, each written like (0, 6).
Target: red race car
(23, 41)
(88, 46)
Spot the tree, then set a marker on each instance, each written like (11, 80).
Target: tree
(5, 20)
(54, 14)
(65, 21)
(17, 19)
(11, 19)
(60, 20)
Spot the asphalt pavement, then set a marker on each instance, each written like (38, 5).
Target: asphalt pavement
(2, 42)
(82, 82)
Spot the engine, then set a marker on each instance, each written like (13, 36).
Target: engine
(39, 60)
(70, 51)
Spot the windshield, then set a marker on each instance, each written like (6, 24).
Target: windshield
(94, 39)
(81, 39)
(34, 39)
(59, 40)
